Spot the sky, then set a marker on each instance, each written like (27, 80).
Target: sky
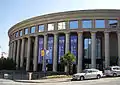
(14, 11)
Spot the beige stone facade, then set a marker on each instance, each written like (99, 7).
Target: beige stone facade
(24, 49)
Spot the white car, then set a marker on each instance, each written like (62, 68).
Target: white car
(112, 71)
(88, 74)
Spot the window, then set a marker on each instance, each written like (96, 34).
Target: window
(41, 28)
(99, 23)
(50, 27)
(16, 34)
(21, 33)
(26, 31)
(112, 23)
(73, 24)
(32, 30)
(86, 23)
(61, 25)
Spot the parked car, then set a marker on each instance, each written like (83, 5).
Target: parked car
(88, 74)
(112, 71)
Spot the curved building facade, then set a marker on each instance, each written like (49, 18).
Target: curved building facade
(93, 36)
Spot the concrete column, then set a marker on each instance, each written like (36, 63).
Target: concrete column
(45, 47)
(118, 35)
(35, 54)
(9, 49)
(107, 56)
(55, 53)
(18, 54)
(80, 52)
(22, 53)
(93, 50)
(28, 54)
(66, 42)
(14, 51)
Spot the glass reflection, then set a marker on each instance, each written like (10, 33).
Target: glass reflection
(61, 25)
(41, 28)
(73, 24)
(32, 30)
(99, 23)
(21, 33)
(112, 23)
(87, 48)
(50, 27)
(16, 35)
(86, 23)
(26, 31)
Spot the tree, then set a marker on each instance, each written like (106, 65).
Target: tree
(68, 59)
(7, 64)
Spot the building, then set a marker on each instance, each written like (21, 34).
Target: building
(93, 36)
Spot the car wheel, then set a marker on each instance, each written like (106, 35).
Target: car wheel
(81, 78)
(98, 76)
(114, 74)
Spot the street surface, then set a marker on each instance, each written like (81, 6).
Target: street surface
(102, 81)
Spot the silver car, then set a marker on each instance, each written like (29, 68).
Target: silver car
(88, 74)
(112, 71)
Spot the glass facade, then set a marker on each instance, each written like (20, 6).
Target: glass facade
(50, 49)
(73, 24)
(50, 27)
(99, 23)
(86, 23)
(21, 33)
(61, 25)
(73, 45)
(32, 30)
(16, 34)
(26, 31)
(87, 48)
(112, 23)
(41, 28)
(61, 47)
(41, 44)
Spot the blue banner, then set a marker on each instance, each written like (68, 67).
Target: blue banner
(73, 47)
(49, 57)
(41, 47)
(61, 48)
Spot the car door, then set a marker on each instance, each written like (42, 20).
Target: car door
(88, 74)
(93, 74)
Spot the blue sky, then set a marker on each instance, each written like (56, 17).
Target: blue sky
(14, 11)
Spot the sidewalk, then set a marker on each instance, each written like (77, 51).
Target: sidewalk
(54, 80)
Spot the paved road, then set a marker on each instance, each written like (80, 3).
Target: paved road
(103, 81)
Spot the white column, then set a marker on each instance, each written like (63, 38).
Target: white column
(28, 54)
(35, 53)
(80, 52)
(118, 34)
(12, 50)
(107, 56)
(18, 54)
(45, 47)
(93, 48)
(22, 52)
(55, 54)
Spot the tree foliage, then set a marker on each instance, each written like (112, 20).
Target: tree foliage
(7, 64)
(68, 59)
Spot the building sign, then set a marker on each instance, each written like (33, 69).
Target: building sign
(61, 48)
(49, 57)
(41, 44)
(73, 46)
